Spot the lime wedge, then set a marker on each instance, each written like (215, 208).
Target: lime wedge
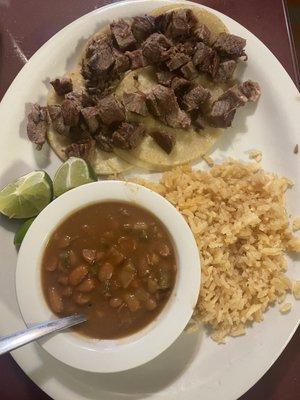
(26, 196)
(74, 172)
(21, 232)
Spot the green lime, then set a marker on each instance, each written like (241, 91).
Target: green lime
(21, 232)
(74, 172)
(26, 196)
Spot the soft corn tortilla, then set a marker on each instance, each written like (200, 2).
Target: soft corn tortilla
(190, 145)
(103, 163)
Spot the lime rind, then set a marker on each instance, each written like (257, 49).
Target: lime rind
(21, 232)
(73, 173)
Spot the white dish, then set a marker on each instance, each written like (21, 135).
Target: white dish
(194, 366)
(131, 351)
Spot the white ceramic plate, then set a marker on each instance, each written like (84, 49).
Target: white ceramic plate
(193, 367)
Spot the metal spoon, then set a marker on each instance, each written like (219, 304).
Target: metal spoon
(34, 332)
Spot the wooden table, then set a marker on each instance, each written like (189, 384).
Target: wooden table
(26, 25)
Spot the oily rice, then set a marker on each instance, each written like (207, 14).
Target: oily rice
(237, 214)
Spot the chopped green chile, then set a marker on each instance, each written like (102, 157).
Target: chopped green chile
(114, 262)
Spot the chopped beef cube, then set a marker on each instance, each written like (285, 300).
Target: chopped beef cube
(37, 125)
(189, 71)
(166, 140)
(251, 90)
(162, 21)
(62, 86)
(224, 108)
(90, 115)
(230, 45)
(110, 110)
(137, 59)
(179, 85)
(135, 102)
(202, 34)
(128, 136)
(142, 27)
(165, 77)
(156, 47)
(201, 53)
(57, 119)
(177, 60)
(179, 23)
(82, 150)
(198, 121)
(195, 97)
(210, 64)
(225, 71)
(70, 111)
(122, 34)
(102, 58)
(187, 47)
(234, 97)
(80, 97)
(162, 103)
(122, 62)
(221, 114)
(104, 143)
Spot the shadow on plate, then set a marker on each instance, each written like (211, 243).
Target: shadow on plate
(160, 372)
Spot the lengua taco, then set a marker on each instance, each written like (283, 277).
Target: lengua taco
(153, 91)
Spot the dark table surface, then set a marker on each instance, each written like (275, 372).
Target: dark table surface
(26, 25)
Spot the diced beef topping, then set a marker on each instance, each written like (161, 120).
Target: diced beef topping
(102, 57)
(251, 90)
(122, 62)
(79, 97)
(165, 77)
(37, 125)
(230, 45)
(234, 97)
(104, 143)
(142, 27)
(70, 111)
(156, 47)
(177, 60)
(225, 71)
(82, 150)
(90, 116)
(224, 108)
(202, 34)
(179, 85)
(195, 97)
(57, 119)
(110, 111)
(137, 60)
(206, 59)
(178, 23)
(162, 103)
(135, 102)
(189, 71)
(122, 34)
(165, 140)
(128, 136)
(62, 86)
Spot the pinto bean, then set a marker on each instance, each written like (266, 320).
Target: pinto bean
(52, 265)
(132, 302)
(87, 285)
(115, 302)
(67, 291)
(78, 274)
(55, 300)
(81, 298)
(64, 242)
(89, 255)
(151, 304)
(63, 280)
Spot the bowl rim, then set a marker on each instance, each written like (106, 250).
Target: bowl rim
(131, 351)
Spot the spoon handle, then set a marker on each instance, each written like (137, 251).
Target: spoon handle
(18, 339)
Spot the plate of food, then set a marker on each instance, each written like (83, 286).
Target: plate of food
(149, 180)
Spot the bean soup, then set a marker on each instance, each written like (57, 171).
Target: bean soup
(112, 261)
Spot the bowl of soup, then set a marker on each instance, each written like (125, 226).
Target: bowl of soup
(123, 256)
